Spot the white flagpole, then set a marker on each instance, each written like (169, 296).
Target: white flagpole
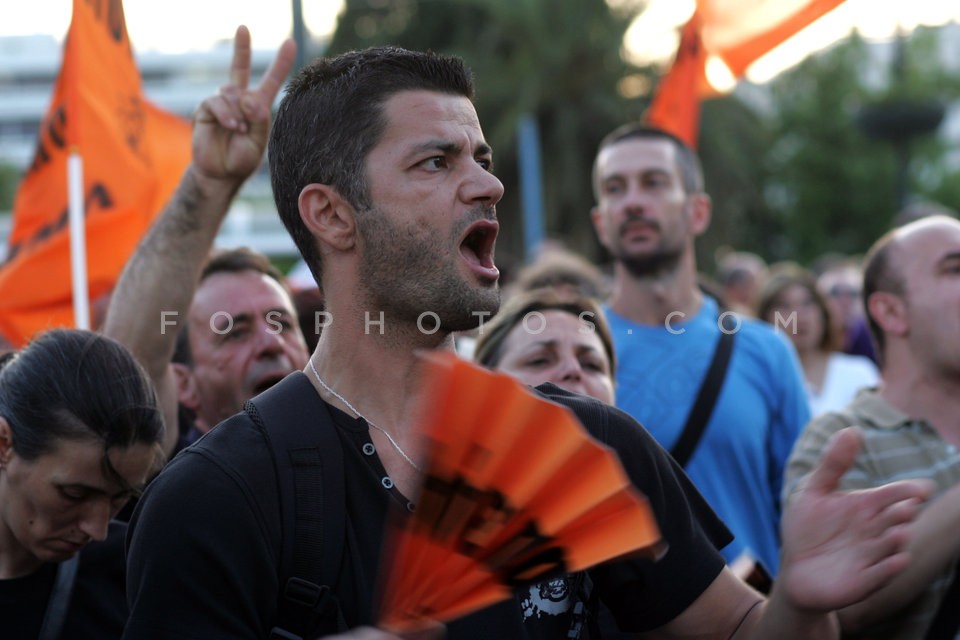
(78, 241)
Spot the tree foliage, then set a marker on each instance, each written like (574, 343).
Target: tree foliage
(831, 186)
(9, 181)
(732, 147)
(792, 174)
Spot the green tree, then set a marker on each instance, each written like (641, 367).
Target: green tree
(931, 176)
(9, 181)
(792, 178)
(832, 187)
(732, 147)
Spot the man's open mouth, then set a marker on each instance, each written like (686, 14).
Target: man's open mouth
(477, 248)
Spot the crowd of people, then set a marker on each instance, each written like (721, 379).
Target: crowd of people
(155, 475)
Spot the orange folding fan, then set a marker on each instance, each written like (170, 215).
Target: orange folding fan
(516, 491)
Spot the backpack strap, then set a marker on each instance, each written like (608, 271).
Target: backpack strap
(307, 459)
(56, 613)
(706, 398)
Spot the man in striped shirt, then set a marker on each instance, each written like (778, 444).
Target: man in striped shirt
(911, 422)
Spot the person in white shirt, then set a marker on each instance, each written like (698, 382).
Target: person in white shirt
(792, 303)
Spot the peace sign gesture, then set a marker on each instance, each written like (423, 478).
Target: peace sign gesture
(230, 128)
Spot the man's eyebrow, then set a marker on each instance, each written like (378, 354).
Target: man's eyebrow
(227, 320)
(445, 146)
(449, 148)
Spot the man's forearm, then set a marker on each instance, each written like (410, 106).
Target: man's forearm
(775, 619)
(153, 295)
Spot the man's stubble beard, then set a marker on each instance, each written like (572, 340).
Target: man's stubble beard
(406, 276)
(664, 260)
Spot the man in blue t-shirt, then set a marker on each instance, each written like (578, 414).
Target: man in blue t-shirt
(650, 208)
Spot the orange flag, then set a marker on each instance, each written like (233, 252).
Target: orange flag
(738, 32)
(133, 156)
(676, 105)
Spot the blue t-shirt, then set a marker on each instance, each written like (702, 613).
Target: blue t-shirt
(739, 462)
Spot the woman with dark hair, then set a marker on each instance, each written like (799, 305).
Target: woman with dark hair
(791, 301)
(548, 336)
(80, 433)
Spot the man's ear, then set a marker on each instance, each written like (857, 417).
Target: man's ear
(596, 217)
(6, 442)
(889, 311)
(187, 393)
(701, 212)
(330, 218)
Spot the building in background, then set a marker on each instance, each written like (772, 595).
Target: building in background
(177, 82)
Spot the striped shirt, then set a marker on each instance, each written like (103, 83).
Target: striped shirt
(896, 447)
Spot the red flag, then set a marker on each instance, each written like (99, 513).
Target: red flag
(133, 156)
(738, 32)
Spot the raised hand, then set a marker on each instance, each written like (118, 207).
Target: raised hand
(839, 547)
(230, 129)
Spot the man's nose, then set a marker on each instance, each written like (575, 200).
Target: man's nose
(482, 187)
(269, 338)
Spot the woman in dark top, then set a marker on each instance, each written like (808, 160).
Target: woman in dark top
(80, 433)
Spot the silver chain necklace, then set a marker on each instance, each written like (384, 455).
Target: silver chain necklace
(362, 417)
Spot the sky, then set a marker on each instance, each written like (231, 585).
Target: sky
(182, 25)
(175, 26)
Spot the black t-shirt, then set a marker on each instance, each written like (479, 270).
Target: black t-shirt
(98, 608)
(205, 539)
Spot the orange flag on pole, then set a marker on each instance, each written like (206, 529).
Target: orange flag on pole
(133, 156)
(737, 32)
(676, 105)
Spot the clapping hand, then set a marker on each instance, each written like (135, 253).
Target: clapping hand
(841, 546)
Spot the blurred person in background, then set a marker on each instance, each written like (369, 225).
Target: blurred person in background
(840, 282)
(650, 208)
(791, 302)
(741, 275)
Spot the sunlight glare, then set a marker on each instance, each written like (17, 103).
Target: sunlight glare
(654, 35)
(719, 75)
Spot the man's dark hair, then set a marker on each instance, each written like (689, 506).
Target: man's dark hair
(880, 274)
(332, 116)
(691, 173)
(72, 384)
(240, 259)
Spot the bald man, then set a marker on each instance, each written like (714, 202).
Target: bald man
(911, 423)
